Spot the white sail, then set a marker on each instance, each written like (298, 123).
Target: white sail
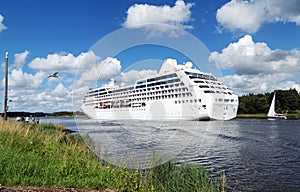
(271, 112)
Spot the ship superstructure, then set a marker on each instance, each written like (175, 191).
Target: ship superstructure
(178, 92)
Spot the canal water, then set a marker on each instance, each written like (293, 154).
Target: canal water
(254, 154)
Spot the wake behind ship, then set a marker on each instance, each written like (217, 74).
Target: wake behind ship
(178, 92)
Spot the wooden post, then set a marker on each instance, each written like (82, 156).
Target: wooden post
(6, 87)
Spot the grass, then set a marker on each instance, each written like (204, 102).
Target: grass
(292, 115)
(42, 155)
(258, 115)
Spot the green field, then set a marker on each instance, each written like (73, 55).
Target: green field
(42, 155)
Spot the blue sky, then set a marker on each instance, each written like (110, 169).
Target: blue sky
(255, 44)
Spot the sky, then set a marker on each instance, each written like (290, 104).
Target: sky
(254, 44)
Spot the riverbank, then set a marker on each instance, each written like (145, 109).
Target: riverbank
(295, 115)
(44, 156)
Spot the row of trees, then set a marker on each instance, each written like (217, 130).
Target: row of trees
(286, 101)
(66, 114)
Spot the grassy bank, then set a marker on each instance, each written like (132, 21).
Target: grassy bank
(42, 155)
(259, 115)
(294, 115)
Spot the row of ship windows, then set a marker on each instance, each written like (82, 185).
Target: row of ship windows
(200, 76)
(186, 101)
(163, 97)
(149, 88)
(103, 90)
(177, 102)
(158, 78)
(208, 82)
(126, 91)
(170, 96)
(225, 100)
(179, 91)
(206, 86)
(210, 91)
(152, 91)
(158, 83)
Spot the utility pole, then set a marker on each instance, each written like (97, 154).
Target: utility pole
(6, 87)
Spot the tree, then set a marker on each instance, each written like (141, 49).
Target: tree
(286, 100)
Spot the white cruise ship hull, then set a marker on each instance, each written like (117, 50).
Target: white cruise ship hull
(178, 92)
(166, 110)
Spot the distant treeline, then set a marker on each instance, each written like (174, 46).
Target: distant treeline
(41, 114)
(65, 114)
(25, 114)
(286, 101)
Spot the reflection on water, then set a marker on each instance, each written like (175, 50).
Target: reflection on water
(254, 154)
(143, 144)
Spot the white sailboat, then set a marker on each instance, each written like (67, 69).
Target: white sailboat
(272, 114)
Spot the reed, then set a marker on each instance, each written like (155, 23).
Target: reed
(42, 155)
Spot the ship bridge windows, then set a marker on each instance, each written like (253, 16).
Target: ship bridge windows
(162, 77)
(193, 75)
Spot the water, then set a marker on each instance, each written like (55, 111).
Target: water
(254, 154)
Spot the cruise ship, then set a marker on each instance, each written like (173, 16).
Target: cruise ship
(177, 92)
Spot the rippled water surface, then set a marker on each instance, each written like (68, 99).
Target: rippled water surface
(254, 154)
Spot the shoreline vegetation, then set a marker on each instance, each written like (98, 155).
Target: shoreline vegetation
(41, 157)
(294, 115)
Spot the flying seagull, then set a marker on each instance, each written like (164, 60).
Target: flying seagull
(54, 75)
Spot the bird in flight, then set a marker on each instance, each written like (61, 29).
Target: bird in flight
(54, 75)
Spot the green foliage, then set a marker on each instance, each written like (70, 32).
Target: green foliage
(42, 155)
(286, 101)
(187, 177)
(66, 114)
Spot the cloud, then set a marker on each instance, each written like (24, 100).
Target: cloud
(133, 75)
(249, 16)
(155, 19)
(64, 62)
(256, 67)
(104, 70)
(35, 92)
(2, 26)
(248, 57)
(46, 100)
(20, 59)
(87, 77)
(24, 81)
(244, 84)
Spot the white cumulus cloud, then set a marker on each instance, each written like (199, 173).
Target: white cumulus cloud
(2, 26)
(104, 70)
(155, 18)
(24, 81)
(64, 62)
(249, 16)
(257, 68)
(248, 57)
(87, 77)
(20, 59)
(133, 75)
